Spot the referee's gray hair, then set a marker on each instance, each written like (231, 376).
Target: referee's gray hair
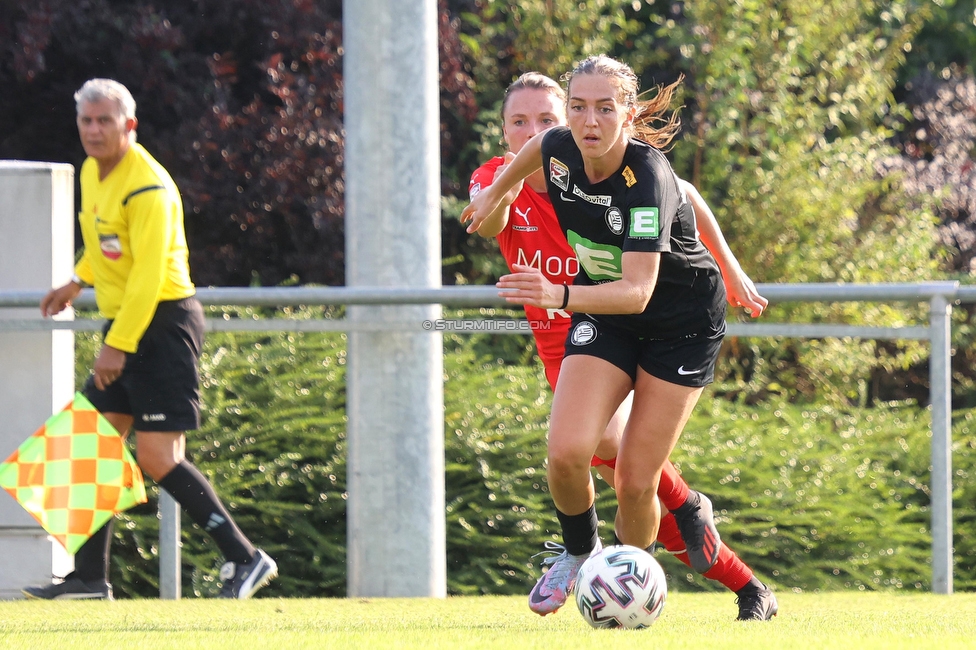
(95, 90)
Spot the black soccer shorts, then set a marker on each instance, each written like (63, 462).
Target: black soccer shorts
(685, 361)
(159, 386)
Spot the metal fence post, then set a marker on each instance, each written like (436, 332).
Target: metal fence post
(170, 582)
(394, 379)
(941, 396)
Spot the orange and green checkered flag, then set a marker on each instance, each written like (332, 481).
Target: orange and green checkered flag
(73, 474)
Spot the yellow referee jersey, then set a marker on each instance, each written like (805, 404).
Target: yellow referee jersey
(135, 247)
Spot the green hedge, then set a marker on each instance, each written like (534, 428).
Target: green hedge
(817, 498)
(811, 498)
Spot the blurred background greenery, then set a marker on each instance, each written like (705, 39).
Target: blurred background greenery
(835, 141)
(811, 497)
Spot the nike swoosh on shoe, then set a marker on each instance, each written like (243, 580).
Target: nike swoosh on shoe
(539, 597)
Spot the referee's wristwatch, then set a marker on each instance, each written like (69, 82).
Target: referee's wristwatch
(81, 283)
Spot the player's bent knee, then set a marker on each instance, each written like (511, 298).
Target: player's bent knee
(568, 462)
(634, 489)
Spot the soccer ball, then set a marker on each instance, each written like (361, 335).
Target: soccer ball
(621, 586)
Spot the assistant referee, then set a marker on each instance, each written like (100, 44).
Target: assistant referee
(145, 377)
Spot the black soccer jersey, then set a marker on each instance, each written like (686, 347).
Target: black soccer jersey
(638, 208)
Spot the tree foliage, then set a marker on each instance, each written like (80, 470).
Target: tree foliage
(946, 43)
(788, 119)
(937, 158)
(937, 147)
(790, 122)
(497, 41)
(794, 132)
(240, 100)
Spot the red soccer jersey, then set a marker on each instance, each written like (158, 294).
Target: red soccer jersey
(533, 237)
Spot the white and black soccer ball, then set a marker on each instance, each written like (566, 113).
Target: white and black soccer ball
(621, 586)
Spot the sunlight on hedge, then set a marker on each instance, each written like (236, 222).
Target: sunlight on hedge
(811, 497)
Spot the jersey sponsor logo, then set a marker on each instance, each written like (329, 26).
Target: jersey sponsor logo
(629, 177)
(475, 190)
(559, 174)
(525, 217)
(600, 261)
(583, 334)
(644, 222)
(599, 199)
(553, 266)
(615, 220)
(111, 246)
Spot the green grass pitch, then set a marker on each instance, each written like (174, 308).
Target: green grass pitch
(694, 621)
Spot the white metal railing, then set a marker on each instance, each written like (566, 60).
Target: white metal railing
(940, 297)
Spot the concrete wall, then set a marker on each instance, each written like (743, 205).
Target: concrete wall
(36, 368)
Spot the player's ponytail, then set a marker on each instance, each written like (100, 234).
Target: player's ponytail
(652, 124)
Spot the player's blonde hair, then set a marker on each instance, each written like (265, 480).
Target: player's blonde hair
(95, 90)
(535, 81)
(650, 122)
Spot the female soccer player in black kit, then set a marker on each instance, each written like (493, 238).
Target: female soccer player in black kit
(648, 303)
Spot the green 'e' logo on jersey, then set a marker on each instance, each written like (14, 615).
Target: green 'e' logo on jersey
(599, 261)
(644, 222)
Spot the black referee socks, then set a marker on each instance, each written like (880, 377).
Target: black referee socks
(195, 494)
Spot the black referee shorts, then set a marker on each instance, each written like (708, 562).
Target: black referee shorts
(159, 386)
(685, 361)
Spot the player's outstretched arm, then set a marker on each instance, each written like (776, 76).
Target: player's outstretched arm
(486, 202)
(526, 285)
(740, 288)
(497, 220)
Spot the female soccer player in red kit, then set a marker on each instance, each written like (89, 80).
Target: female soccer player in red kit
(529, 234)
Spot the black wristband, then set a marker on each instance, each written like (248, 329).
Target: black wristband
(565, 296)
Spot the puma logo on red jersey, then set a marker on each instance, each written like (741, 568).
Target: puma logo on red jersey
(525, 217)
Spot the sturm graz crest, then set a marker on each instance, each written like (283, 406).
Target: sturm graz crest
(615, 220)
(583, 333)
